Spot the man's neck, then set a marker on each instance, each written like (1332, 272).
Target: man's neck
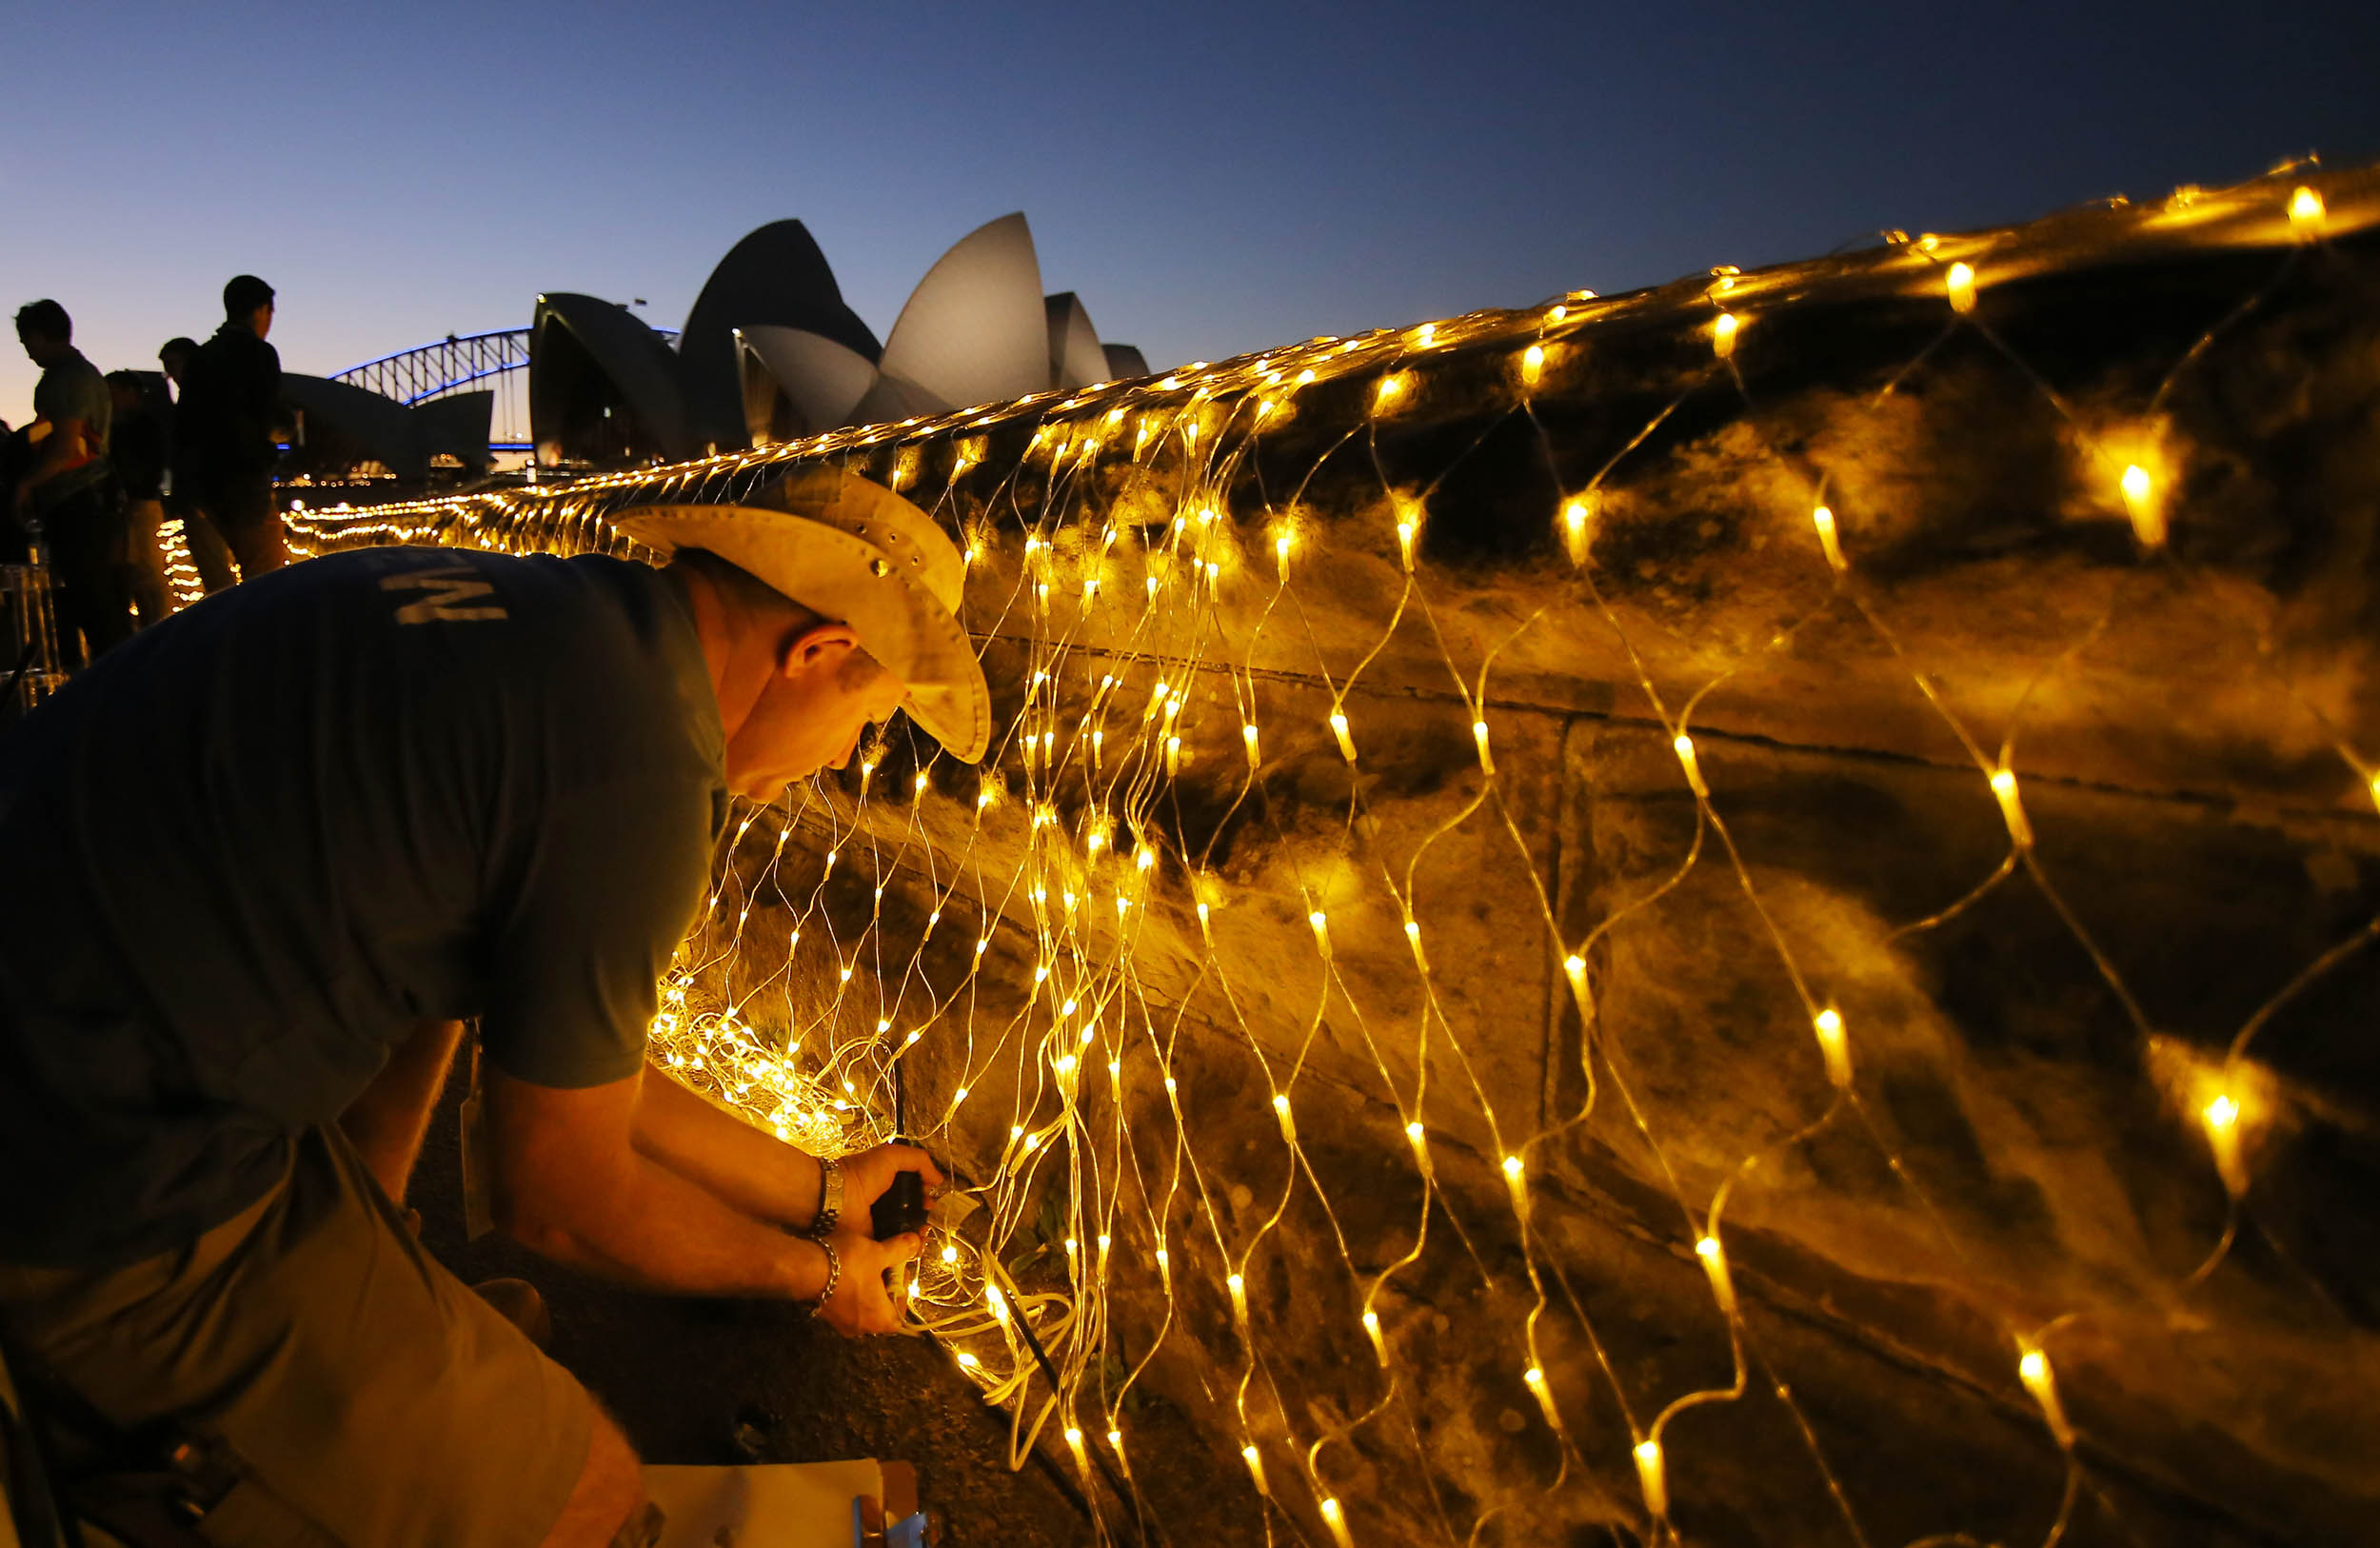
(737, 677)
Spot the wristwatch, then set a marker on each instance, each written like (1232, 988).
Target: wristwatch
(829, 1200)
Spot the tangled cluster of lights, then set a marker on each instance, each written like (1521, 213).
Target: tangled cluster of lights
(1106, 530)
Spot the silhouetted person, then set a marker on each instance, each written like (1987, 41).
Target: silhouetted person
(70, 489)
(235, 392)
(184, 475)
(136, 445)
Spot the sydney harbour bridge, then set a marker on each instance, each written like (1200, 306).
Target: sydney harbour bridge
(473, 362)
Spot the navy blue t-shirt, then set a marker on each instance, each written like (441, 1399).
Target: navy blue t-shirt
(249, 851)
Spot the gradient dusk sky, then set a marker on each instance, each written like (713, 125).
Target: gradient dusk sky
(1210, 178)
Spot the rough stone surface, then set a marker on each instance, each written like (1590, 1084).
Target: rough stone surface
(2034, 1031)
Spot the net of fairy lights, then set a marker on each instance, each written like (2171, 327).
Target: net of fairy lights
(1124, 677)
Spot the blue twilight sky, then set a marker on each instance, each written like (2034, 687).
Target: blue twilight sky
(1211, 177)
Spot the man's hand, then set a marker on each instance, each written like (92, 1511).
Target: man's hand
(867, 1176)
(861, 1304)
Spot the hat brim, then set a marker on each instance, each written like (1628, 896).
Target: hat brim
(900, 622)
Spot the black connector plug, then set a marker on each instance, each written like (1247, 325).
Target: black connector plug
(902, 1210)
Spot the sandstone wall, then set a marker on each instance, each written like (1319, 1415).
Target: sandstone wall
(1986, 1268)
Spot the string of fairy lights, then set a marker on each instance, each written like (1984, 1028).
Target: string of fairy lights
(1144, 625)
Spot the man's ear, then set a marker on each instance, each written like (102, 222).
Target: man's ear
(821, 645)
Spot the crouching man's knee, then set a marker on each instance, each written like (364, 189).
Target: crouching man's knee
(607, 1507)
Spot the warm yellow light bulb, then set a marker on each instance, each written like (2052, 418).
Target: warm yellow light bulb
(2222, 1117)
(1256, 1468)
(1534, 1378)
(2011, 807)
(1828, 538)
(1512, 1166)
(1577, 514)
(2141, 503)
(1714, 1265)
(1391, 388)
(2032, 1368)
(1372, 1330)
(1479, 735)
(1684, 746)
(1834, 1047)
(1654, 1477)
(1723, 333)
(1406, 529)
(1961, 284)
(1346, 741)
(1574, 969)
(2306, 213)
(1531, 363)
(1334, 1518)
(1321, 931)
(1247, 734)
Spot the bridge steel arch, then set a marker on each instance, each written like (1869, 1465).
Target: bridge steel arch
(496, 360)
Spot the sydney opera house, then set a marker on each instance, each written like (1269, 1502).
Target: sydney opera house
(770, 351)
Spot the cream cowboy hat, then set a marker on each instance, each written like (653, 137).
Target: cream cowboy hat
(857, 553)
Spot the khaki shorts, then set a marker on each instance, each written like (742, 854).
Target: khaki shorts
(370, 1396)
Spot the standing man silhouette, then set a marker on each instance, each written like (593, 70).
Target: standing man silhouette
(234, 401)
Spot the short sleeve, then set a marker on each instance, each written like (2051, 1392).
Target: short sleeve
(91, 403)
(609, 881)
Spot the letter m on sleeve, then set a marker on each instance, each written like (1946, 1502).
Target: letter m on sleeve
(447, 596)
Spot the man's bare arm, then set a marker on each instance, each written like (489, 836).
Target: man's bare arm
(757, 1172)
(387, 1118)
(571, 1185)
(67, 445)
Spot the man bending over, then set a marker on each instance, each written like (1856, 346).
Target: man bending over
(256, 868)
